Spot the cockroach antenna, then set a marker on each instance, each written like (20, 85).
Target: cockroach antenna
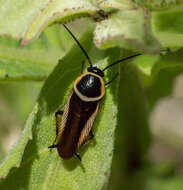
(83, 50)
(121, 60)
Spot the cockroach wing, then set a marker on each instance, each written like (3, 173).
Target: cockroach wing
(77, 121)
(86, 130)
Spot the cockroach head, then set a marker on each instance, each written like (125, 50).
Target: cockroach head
(96, 70)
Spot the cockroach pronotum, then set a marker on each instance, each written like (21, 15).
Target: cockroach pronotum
(81, 108)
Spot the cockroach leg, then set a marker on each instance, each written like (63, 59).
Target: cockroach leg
(78, 156)
(57, 113)
(91, 135)
(53, 146)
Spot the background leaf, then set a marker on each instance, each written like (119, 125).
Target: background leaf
(57, 11)
(163, 184)
(161, 4)
(35, 61)
(15, 156)
(15, 16)
(164, 72)
(169, 35)
(14, 111)
(132, 138)
(117, 4)
(129, 29)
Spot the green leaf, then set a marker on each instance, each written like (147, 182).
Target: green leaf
(44, 169)
(161, 4)
(145, 63)
(57, 11)
(169, 35)
(164, 73)
(133, 115)
(17, 99)
(129, 29)
(132, 131)
(16, 15)
(158, 73)
(117, 4)
(174, 183)
(15, 156)
(35, 61)
(22, 18)
(17, 111)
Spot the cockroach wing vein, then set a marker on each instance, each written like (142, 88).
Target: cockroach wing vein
(86, 130)
(64, 119)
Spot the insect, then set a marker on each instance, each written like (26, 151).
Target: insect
(81, 108)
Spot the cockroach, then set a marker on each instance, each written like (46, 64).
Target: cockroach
(81, 108)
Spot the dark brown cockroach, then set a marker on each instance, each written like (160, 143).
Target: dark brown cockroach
(81, 109)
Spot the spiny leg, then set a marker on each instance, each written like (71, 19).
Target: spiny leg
(53, 146)
(78, 156)
(91, 136)
(87, 141)
(115, 76)
(57, 113)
